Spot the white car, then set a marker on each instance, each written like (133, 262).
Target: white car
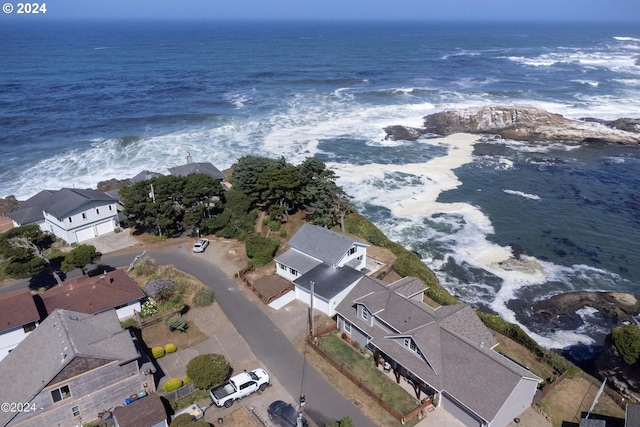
(200, 245)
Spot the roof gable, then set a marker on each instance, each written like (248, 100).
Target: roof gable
(322, 243)
(17, 308)
(195, 167)
(93, 294)
(67, 200)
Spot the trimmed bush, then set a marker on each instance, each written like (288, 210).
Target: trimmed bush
(208, 370)
(172, 384)
(170, 348)
(203, 297)
(157, 352)
(186, 380)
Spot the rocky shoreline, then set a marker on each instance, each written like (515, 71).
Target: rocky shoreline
(521, 124)
(617, 305)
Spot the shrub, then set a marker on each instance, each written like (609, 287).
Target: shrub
(261, 250)
(128, 323)
(157, 352)
(176, 323)
(512, 331)
(172, 384)
(170, 348)
(186, 380)
(203, 297)
(161, 289)
(626, 339)
(145, 267)
(208, 370)
(148, 308)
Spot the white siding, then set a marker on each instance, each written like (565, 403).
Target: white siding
(126, 312)
(10, 340)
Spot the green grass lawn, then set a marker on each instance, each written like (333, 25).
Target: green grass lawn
(365, 370)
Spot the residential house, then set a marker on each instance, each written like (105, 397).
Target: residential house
(111, 290)
(445, 352)
(148, 411)
(331, 261)
(73, 215)
(18, 317)
(196, 167)
(71, 368)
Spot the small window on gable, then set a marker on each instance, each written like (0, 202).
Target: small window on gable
(70, 220)
(352, 250)
(110, 208)
(76, 411)
(84, 215)
(365, 314)
(97, 211)
(61, 393)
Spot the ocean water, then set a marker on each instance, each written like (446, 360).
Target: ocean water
(86, 102)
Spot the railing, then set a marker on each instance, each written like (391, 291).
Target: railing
(376, 398)
(156, 318)
(180, 393)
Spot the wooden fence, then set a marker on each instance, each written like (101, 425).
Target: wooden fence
(376, 398)
(180, 393)
(144, 322)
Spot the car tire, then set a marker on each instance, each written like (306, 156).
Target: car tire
(263, 387)
(228, 403)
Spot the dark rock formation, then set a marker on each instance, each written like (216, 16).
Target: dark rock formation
(112, 184)
(520, 123)
(620, 376)
(8, 204)
(617, 305)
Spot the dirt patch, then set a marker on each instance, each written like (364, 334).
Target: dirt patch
(240, 417)
(567, 402)
(158, 335)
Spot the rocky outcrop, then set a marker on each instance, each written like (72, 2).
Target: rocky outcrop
(620, 376)
(618, 305)
(522, 124)
(9, 204)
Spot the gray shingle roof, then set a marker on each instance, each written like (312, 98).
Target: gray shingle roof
(295, 259)
(194, 167)
(455, 345)
(328, 281)
(61, 337)
(145, 175)
(322, 243)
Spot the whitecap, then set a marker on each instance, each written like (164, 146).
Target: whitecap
(522, 194)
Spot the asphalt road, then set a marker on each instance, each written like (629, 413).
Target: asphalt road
(323, 402)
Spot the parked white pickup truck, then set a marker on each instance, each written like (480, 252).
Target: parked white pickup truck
(239, 386)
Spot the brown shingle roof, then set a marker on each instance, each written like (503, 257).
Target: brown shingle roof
(17, 308)
(145, 412)
(93, 294)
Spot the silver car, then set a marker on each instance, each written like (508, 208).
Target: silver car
(200, 245)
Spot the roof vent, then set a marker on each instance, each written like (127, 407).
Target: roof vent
(73, 317)
(189, 158)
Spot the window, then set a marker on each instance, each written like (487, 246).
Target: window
(70, 220)
(84, 215)
(347, 327)
(97, 211)
(60, 393)
(411, 345)
(352, 250)
(76, 411)
(365, 314)
(110, 208)
(294, 272)
(29, 327)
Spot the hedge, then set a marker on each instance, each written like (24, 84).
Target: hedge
(157, 352)
(172, 384)
(208, 370)
(170, 348)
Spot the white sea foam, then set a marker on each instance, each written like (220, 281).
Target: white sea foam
(630, 39)
(522, 194)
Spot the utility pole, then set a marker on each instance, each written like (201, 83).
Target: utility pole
(312, 328)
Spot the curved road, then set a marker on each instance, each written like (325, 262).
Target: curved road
(323, 402)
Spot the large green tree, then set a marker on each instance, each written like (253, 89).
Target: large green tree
(80, 257)
(24, 249)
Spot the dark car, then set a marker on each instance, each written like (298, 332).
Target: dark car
(285, 415)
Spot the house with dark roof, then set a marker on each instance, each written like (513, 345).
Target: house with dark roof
(148, 411)
(197, 167)
(322, 262)
(111, 290)
(444, 352)
(71, 368)
(18, 317)
(74, 215)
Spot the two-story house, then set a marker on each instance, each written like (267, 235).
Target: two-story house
(71, 368)
(74, 215)
(445, 352)
(18, 317)
(322, 261)
(111, 290)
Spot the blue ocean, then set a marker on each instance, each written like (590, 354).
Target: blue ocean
(83, 102)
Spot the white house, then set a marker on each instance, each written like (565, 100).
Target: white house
(18, 317)
(333, 262)
(73, 215)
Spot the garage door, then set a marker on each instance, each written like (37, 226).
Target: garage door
(84, 234)
(463, 415)
(104, 227)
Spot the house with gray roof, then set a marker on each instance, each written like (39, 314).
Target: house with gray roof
(197, 167)
(72, 367)
(444, 352)
(331, 263)
(18, 317)
(72, 214)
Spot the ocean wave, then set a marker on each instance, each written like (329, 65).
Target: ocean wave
(522, 194)
(627, 39)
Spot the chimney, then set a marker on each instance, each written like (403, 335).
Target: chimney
(189, 158)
